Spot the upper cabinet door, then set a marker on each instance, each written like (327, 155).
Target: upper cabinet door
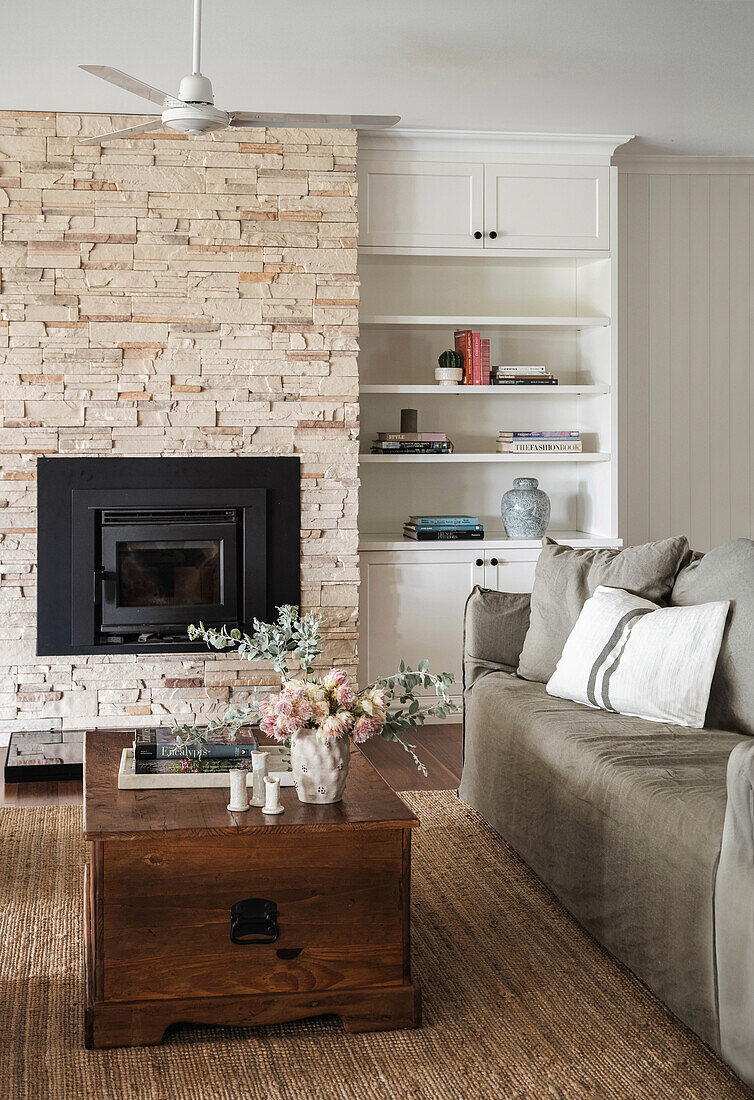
(546, 206)
(414, 204)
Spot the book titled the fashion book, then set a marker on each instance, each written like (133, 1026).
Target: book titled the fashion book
(545, 446)
(160, 744)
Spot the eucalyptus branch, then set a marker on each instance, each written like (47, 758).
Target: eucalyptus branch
(390, 736)
(290, 636)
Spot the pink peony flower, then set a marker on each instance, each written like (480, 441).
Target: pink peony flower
(345, 695)
(334, 678)
(366, 728)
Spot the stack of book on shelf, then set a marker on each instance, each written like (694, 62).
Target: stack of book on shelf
(522, 376)
(567, 442)
(443, 528)
(476, 357)
(156, 753)
(411, 443)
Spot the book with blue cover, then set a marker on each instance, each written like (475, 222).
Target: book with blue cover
(160, 744)
(445, 521)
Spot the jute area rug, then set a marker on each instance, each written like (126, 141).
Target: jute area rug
(519, 1002)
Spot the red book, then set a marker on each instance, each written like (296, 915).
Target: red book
(476, 359)
(463, 345)
(485, 362)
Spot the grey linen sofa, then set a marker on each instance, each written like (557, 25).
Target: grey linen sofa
(624, 819)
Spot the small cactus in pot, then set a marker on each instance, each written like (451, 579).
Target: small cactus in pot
(449, 371)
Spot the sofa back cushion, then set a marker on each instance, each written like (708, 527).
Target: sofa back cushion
(565, 578)
(494, 628)
(727, 573)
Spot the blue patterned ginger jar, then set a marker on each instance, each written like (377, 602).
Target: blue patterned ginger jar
(525, 509)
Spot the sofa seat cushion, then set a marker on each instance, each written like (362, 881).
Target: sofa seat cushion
(622, 819)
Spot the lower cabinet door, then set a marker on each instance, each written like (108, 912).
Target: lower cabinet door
(512, 571)
(412, 609)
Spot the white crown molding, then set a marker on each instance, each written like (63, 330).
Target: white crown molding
(600, 146)
(676, 164)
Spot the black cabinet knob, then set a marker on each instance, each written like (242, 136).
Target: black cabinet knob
(493, 561)
(493, 235)
(480, 561)
(477, 236)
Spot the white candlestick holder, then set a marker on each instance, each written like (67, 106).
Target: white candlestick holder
(272, 804)
(259, 771)
(239, 799)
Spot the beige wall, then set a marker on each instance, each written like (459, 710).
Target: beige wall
(686, 340)
(165, 296)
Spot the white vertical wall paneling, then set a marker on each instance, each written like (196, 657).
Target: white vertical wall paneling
(686, 343)
(719, 368)
(636, 441)
(700, 531)
(659, 392)
(679, 485)
(740, 356)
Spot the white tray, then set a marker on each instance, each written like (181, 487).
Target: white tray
(278, 763)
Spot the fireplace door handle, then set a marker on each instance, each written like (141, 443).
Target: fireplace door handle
(103, 578)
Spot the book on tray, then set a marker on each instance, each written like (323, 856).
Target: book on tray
(545, 442)
(174, 765)
(160, 744)
(443, 528)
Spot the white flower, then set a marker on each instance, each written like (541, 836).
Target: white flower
(374, 703)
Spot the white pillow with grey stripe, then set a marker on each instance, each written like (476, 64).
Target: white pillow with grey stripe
(627, 655)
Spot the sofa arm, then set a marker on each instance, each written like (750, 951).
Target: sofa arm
(494, 628)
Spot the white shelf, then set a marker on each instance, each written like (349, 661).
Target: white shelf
(583, 456)
(499, 391)
(495, 540)
(486, 322)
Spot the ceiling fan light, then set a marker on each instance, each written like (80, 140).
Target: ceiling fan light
(195, 119)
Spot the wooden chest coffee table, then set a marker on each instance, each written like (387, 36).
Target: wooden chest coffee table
(165, 869)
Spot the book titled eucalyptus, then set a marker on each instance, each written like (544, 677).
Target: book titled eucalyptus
(160, 744)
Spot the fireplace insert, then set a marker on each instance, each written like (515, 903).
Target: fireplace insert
(131, 551)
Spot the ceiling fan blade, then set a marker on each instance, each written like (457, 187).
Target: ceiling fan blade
(144, 128)
(131, 84)
(313, 122)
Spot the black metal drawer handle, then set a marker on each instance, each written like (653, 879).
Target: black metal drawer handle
(254, 920)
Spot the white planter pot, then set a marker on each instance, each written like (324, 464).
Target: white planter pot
(320, 766)
(449, 376)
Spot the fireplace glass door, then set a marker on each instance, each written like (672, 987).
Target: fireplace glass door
(160, 576)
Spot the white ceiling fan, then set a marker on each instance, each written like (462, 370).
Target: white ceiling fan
(192, 111)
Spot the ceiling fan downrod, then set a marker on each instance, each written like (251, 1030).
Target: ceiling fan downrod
(197, 88)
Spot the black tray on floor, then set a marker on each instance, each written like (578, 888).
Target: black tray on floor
(42, 755)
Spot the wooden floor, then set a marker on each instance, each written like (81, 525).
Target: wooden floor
(439, 748)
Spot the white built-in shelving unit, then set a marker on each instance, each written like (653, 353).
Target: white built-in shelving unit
(514, 236)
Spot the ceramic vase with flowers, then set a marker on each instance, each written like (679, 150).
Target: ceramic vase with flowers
(319, 717)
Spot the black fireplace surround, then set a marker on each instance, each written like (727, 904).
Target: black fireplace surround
(133, 550)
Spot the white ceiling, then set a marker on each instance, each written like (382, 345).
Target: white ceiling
(678, 73)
